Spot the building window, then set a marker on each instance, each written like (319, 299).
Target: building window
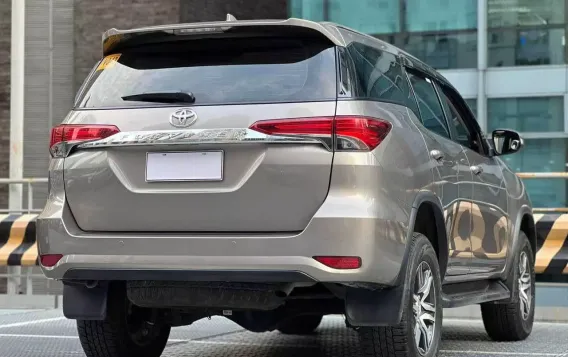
(444, 50)
(526, 32)
(538, 119)
(309, 10)
(525, 47)
(472, 104)
(542, 155)
(527, 115)
(520, 13)
(368, 16)
(440, 15)
(442, 33)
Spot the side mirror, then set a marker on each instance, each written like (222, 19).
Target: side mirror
(506, 142)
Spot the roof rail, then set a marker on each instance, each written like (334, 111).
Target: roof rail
(231, 18)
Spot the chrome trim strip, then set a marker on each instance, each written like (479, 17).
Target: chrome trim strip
(190, 137)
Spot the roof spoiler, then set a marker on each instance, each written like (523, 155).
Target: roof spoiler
(113, 38)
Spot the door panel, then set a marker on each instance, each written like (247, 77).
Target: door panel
(490, 221)
(450, 161)
(457, 210)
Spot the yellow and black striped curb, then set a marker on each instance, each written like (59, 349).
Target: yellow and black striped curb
(18, 242)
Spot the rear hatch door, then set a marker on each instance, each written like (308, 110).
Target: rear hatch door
(185, 159)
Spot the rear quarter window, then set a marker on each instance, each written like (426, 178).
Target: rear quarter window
(378, 76)
(216, 72)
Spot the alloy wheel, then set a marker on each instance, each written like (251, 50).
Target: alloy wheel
(424, 308)
(525, 285)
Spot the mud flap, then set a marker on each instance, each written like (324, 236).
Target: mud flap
(85, 303)
(368, 308)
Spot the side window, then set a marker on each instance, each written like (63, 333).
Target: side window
(431, 111)
(463, 126)
(461, 133)
(379, 76)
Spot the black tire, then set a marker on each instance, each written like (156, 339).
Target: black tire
(114, 338)
(507, 321)
(399, 340)
(300, 325)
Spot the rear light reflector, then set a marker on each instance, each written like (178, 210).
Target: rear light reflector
(352, 133)
(78, 133)
(336, 262)
(50, 260)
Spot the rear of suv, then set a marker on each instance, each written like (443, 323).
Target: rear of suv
(273, 172)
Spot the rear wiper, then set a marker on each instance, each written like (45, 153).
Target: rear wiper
(162, 97)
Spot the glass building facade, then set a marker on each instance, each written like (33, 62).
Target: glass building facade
(507, 58)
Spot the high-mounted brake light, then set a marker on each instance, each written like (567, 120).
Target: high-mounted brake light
(352, 133)
(77, 133)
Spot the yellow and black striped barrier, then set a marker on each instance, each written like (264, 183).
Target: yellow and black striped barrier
(552, 246)
(18, 240)
(18, 243)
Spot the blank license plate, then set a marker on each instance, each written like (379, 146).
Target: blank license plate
(184, 166)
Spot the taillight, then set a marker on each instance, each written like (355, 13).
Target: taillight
(359, 133)
(352, 133)
(77, 133)
(336, 262)
(297, 126)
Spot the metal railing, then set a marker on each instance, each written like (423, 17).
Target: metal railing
(546, 175)
(24, 280)
(29, 184)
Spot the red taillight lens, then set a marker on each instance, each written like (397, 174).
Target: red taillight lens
(70, 132)
(297, 126)
(50, 260)
(340, 262)
(352, 133)
(360, 133)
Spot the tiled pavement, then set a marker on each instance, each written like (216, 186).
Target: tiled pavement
(46, 333)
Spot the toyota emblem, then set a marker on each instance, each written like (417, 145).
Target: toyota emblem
(182, 118)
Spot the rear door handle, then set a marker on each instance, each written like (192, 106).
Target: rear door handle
(437, 155)
(476, 169)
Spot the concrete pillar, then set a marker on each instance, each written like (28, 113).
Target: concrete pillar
(481, 63)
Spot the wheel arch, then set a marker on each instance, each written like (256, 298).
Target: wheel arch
(528, 226)
(524, 222)
(426, 208)
(361, 304)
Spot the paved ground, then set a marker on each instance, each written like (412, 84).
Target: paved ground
(47, 334)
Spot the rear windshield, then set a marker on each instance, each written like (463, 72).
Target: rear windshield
(216, 71)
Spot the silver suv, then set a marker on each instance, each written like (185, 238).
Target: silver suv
(274, 172)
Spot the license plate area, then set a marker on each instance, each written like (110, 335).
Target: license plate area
(184, 166)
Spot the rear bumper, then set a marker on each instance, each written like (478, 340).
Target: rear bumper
(287, 257)
(366, 222)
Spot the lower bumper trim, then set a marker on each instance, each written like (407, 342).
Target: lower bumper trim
(243, 276)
